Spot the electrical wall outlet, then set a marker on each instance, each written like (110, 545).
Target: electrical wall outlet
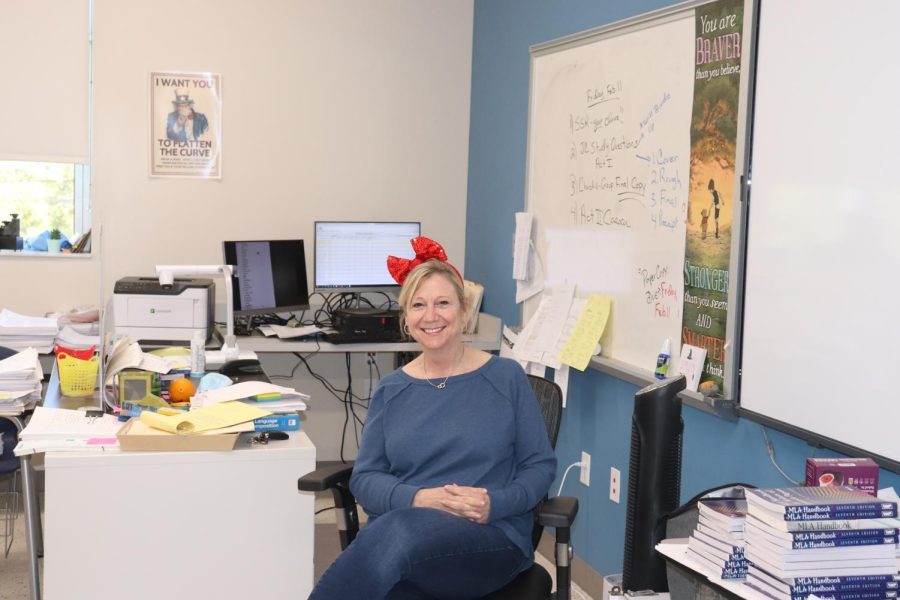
(615, 487)
(585, 477)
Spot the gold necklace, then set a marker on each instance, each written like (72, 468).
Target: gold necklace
(442, 384)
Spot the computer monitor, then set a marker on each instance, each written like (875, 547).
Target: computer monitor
(351, 256)
(269, 276)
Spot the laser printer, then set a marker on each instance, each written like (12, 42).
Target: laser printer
(147, 311)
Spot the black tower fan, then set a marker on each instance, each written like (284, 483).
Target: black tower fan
(654, 482)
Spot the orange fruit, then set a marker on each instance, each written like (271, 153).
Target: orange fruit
(181, 390)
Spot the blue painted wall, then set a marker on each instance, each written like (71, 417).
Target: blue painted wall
(598, 417)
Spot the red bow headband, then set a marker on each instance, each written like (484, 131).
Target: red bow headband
(426, 250)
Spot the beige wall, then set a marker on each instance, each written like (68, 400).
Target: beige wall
(331, 110)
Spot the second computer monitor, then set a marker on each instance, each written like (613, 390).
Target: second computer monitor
(269, 276)
(351, 256)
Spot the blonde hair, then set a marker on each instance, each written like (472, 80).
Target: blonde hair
(422, 272)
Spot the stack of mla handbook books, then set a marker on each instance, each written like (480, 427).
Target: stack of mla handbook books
(837, 543)
(717, 543)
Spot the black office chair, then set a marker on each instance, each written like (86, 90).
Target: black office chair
(9, 469)
(559, 512)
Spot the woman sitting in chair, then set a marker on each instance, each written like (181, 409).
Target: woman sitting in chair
(453, 459)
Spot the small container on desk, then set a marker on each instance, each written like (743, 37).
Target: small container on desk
(77, 377)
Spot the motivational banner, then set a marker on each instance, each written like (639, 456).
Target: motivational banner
(711, 196)
(185, 125)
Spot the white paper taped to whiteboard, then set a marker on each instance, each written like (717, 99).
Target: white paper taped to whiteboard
(595, 261)
(522, 245)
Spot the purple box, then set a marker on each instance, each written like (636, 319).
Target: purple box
(859, 472)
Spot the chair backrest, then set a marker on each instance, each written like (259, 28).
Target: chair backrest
(9, 433)
(9, 436)
(549, 397)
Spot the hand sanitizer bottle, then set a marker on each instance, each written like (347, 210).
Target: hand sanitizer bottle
(198, 354)
(662, 361)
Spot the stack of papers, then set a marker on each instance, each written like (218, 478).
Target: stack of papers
(273, 398)
(74, 337)
(55, 429)
(20, 382)
(565, 329)
(21, 331)
(285, 332)
(80, 327)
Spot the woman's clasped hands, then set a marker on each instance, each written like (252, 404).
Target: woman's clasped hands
(470, 503)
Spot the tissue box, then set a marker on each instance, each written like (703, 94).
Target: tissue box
(859, 472)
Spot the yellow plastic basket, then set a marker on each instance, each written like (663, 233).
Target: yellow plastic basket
(77, 377)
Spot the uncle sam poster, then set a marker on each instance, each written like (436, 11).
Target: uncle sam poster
(185, 125)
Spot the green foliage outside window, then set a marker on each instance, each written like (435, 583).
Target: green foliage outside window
(42, 194)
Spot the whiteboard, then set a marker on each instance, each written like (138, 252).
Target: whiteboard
(609, 172)
(821, 329)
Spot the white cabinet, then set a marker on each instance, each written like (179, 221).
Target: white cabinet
(180, 524)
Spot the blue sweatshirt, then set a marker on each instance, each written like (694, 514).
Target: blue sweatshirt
(483, 430)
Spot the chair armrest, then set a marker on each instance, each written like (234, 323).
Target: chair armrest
(325, 478)
(336, 478)
(558, 511)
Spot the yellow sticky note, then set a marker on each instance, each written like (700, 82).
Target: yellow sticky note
(587, 331)
(224, 414)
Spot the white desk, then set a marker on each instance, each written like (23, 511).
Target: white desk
(33, 530)
(180, 524)
(486, 338)
(74, 493)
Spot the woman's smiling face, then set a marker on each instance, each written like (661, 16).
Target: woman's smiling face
(435, 316)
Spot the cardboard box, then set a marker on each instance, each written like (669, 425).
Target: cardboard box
(858, 472)
(136, 436)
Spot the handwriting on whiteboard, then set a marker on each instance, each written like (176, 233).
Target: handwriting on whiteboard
(659, 291)
(619, 176)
